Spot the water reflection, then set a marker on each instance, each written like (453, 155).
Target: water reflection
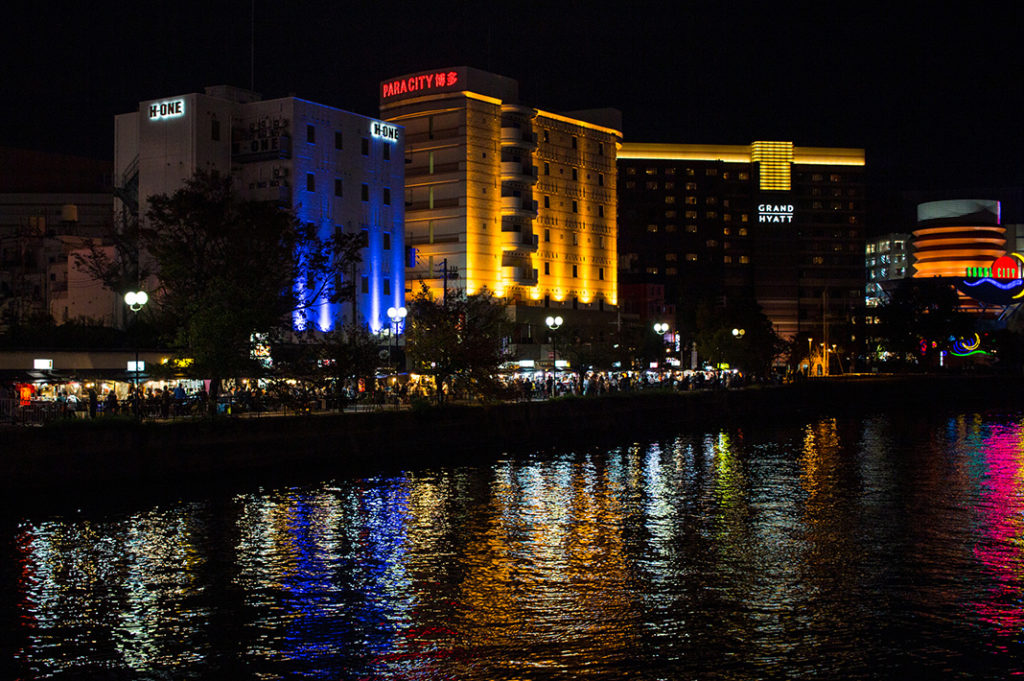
(848, 548)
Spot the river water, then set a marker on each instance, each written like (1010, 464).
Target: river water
(880, 546)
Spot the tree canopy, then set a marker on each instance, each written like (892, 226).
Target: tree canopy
(461, 338)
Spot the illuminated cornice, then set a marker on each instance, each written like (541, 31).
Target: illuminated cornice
(576, 121)
(736, 153)
(435, 97)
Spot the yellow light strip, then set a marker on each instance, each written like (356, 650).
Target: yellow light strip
(576, 121)
(775, 159)
(735, 153)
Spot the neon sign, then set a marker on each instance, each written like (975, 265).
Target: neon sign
(1006, 273)
(383, 131)
(769, 212)
(963, 348)
(428, 81)
(174, 108)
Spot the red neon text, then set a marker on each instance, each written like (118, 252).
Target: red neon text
(429, 81)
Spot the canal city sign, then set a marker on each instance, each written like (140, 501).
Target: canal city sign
(1005, 277)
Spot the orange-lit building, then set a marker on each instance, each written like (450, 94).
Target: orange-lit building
(504, 196)
(952, 236)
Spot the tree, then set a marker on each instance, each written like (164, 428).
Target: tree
(916, 310)
(754, 351)
(227, 270)
(459, 339)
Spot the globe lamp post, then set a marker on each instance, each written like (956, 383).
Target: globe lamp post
(553, 324)
(396, 315)
(135, 300)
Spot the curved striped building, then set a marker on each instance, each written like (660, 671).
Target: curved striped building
(952, 236)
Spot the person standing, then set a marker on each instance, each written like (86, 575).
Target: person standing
(93, 403)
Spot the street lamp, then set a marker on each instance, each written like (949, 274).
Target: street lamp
(135, 300)
(738, 333)
(554, 323)
(396, 315)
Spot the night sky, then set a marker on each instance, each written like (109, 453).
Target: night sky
(936, 98)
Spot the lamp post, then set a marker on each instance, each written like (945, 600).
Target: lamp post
(661, 328)
(810, 342)
(135, 300)
(553, 324)
(396, 315)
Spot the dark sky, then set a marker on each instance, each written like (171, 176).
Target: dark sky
(935, 97)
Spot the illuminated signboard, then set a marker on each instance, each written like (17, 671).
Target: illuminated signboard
(383, 131)
(136, 366)
(425, 82)
(174, 108)
(771, 212)
(1005, 274)
(42, 364)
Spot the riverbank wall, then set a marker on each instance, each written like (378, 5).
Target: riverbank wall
(99, 455)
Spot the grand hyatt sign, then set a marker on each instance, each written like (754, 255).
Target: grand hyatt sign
(775, 212)
(425, 82)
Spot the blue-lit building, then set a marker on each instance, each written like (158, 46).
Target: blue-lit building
(336, 169)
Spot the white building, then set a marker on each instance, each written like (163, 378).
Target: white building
(336, 169)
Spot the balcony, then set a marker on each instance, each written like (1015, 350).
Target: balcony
(518, 137)
(518, 206)
(523, 275)
(514, 171)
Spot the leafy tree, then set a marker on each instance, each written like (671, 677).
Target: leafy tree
(461, 338)
(226, 270)
(919, 309)
(754, 351)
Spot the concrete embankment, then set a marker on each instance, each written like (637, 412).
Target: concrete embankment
(108, 455)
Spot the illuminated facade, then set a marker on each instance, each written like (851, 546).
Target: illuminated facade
(776, 222)
(507, 197)
(336, 169)
(886, 259)
(952, 236)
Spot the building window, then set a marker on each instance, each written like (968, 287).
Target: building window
(547, 202)
(744, 259)
(547, 268)
(337, 186)
(387, 286)
(651, 270)
(310, 134)
(365, 146)
(310, 182)
(600, 177)
(690, 215)
(631, 171)
(387, 196)
(670, 228)
(652, 228)
(744, 217)
(711, 172)
(691, 257)
(727, 259)
(575, 272)
(670, 200)
(630, 184)
(575, 207)
(575, 174)
(600, 211)
(671, 257)
(670, 214)
(366, 192)
(651, 171)
(547, 168)
(670, 171)
(600, 149)
(338, 141)
(692, 229)
(600, 274)
(691, 200)
(743, 175)
(387, 241)
(387, 152)
(670, 185)
(547, 235)
(575, 142)
(670, 271)
(711, 215)
(652, 184)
